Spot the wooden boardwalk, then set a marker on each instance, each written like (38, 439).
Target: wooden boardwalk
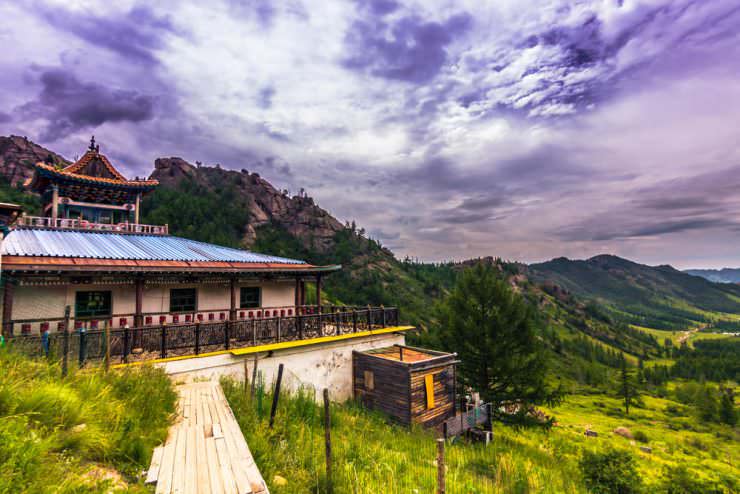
(205, 451)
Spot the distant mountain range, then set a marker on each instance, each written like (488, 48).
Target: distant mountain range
(724, 275)
(652, 296)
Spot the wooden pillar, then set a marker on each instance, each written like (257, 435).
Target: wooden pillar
(303, 292)
(139, 310)
(297, 297)
(136, 208)
(318, 291)
(54, 204)
(8, 290)
(232, 308)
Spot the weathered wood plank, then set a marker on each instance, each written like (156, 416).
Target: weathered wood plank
(153, 473)
(205, 451)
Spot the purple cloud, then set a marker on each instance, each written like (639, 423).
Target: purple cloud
(135, 35)
(69, 105)
(263, 10)
(409, 49)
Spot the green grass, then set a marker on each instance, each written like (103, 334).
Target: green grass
(89, 432)
(372, 455)
(709, 451)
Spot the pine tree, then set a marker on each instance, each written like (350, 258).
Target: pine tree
(494, 332)
(727, 413)
(627, 387)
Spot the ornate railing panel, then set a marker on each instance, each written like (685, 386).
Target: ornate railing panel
(193, 338)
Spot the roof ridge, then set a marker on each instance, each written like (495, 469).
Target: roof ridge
(92, 178)
(86, 158)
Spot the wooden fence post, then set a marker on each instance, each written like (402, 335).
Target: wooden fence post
(106, 330)
(126, 342)
(227, 335)
(440, 466)
(276, 395)
(246, 377)
(327, 441)
(254, 377)
(164, 340)
(197, 337)
(254, 333)
(65, 342)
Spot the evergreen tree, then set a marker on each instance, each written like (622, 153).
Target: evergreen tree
(627, 387)
(727, 412)
(706, 403)
(494, 332)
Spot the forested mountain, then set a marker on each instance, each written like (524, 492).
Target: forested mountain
(654, 296)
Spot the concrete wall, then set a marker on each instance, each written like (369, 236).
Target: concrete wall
(39, 302)
(319, 366)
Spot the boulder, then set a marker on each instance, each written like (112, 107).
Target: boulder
(624, 432)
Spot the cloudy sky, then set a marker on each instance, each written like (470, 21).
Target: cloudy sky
(449, 129)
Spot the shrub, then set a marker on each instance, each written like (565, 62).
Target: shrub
(679, 480)
(610, 472)
(640, 436)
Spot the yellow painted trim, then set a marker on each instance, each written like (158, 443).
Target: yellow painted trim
(429, 385)
(312, 341)
(272, 346)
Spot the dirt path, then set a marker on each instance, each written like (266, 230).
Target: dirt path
(687, 334)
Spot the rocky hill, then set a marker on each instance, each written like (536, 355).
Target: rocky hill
(17, 156)
(263, 204)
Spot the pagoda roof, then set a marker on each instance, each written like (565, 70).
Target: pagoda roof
(93, 168)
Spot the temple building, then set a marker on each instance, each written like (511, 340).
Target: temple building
(90, 252)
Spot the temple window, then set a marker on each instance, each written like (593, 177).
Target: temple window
(250, 297)
(183, 300)
(93, 304)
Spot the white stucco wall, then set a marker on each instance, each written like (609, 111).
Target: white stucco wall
(324, 365)
(39, 302)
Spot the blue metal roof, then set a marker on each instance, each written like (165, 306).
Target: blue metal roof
(103, 245)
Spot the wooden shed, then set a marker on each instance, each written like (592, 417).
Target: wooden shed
(412, 385)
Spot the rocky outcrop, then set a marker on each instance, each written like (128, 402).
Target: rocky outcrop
(266, 205)
(18, 155)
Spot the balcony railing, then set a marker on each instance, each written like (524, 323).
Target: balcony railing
(78, 224)
(194, 335)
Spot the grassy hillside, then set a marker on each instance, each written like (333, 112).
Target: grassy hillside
(656, 297)
(371, 455)
(91, 432)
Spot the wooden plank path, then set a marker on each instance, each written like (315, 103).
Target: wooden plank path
(205, 451)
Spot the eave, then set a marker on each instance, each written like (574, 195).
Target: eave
(42, 264)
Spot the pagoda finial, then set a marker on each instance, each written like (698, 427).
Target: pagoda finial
(92, 143)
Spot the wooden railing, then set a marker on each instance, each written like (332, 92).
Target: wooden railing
(78, 224)
(150, 342)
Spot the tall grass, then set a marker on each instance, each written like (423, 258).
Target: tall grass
(88, 432)
(372, 455)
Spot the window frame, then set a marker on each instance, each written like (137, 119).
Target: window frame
(181, 309)
(92, 314)
(245, 305)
